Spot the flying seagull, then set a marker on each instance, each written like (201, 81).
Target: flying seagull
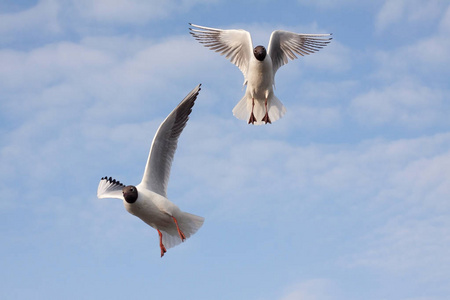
(259, 105)
(148, 200)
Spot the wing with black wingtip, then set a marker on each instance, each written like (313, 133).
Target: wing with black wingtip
(284, 45)
(235, 44)
(110, 188)
(162, 150)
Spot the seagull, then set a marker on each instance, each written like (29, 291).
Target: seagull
(148, 200)
(259, 104)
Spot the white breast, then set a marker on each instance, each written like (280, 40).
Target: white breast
(260, 78)
(152, 208)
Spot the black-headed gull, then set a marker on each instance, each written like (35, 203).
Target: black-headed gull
(148, 200)
(259, 105)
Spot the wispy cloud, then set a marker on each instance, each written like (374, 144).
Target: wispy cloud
(314, 289)
(393, 12)
(406, 104)
(328, 4)
(132, 12)
(42, 18)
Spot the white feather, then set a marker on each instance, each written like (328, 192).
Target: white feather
(109, 188)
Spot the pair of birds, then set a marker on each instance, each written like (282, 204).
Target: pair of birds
(148, 200)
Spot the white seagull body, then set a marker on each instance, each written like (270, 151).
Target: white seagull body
(148, 200)
(259, 104)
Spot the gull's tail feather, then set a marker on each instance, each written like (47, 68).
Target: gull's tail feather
(276, 108)
(243, 109)
(189, 224)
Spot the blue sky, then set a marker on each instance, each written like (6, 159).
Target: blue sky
(345, 197)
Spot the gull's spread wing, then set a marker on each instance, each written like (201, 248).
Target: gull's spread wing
(285, 44)
(235, 44)
(162, 150)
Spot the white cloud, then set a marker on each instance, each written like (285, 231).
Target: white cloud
(313, 289)
(329, 4)
(423, 58)
(42, 18)
(407, 245)
(391, 12)
(132, 12)
(405, 104)
(427, 57)
(408, 183)
(53, 63)
(326, 93)
(334, 57)
(105, 76)
(394, 12)
(311, 118)
(444, 25)
(124, 11)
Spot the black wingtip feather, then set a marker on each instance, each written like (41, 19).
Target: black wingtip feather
(113, 181)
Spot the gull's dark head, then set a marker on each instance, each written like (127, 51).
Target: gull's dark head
(260, 53)
(130, 193)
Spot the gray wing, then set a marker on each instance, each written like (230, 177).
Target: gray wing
(235, 44)
(110, 188)
(285, 44)
(162, 150)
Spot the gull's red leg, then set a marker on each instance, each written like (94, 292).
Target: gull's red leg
(266, 118)
(182, 236)
(163, 249)
(252, 119)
